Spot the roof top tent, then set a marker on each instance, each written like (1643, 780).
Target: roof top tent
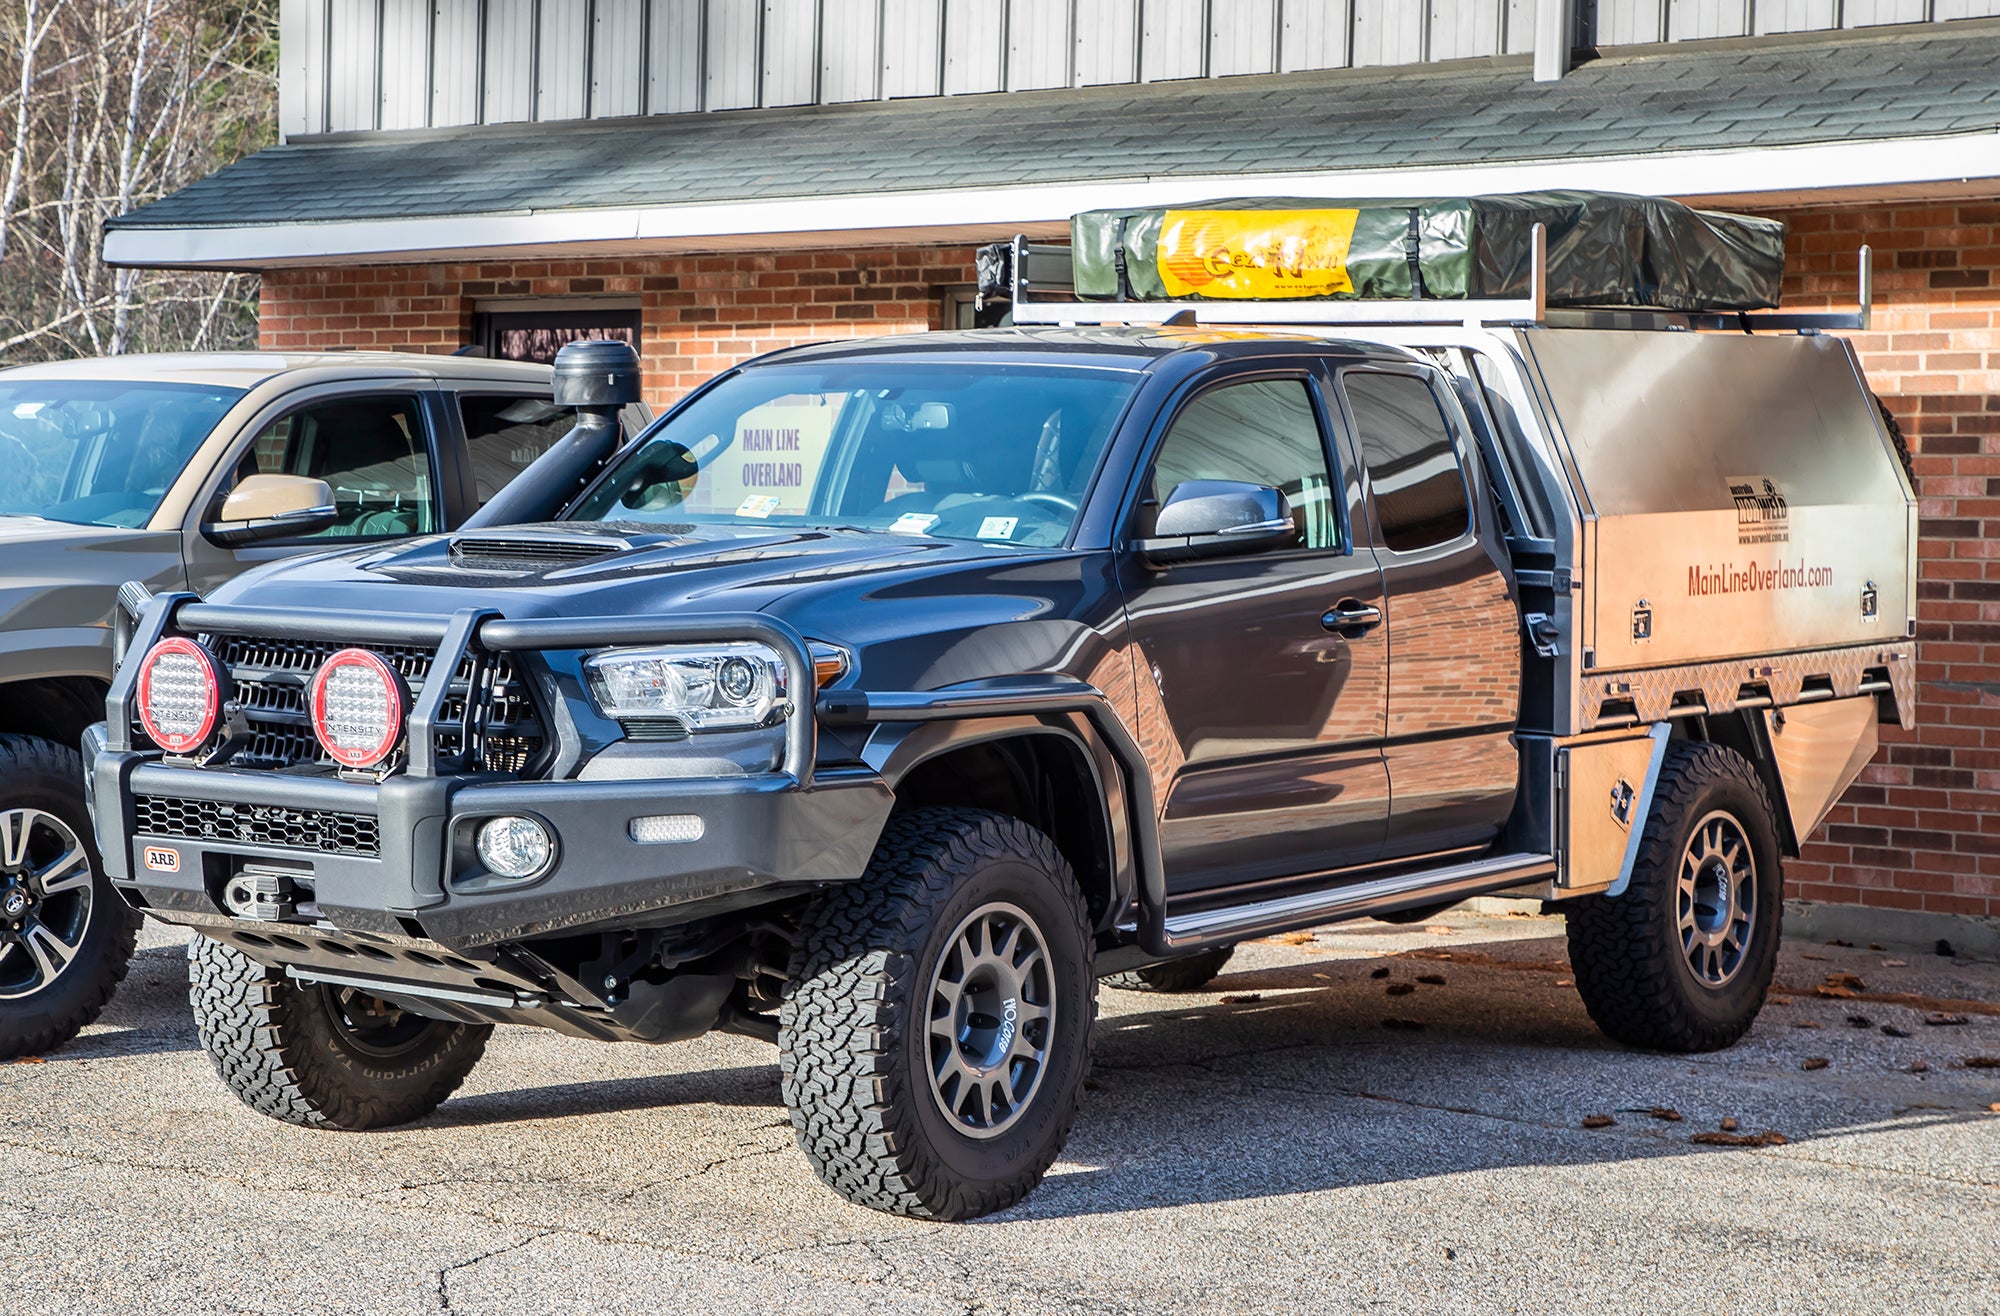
(1699, 521)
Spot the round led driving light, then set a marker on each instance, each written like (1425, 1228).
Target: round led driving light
(515, 847)
(357, 702)
(179, 694)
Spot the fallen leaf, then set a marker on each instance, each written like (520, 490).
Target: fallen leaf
(1895, 964)
(1598, 1121)
(1815, 1062)
(1894, 1031)
(1807, 955)
(1432, 979)
(31, 1060)
(1379, 973)
(1440, 930)
(1859, 1021)
(1667, 1113)
(1982, 1062)
(1401, 988)
(1876, 945)
(1241, 998)
(1995, 1108)
(1729, 1124)
(1565, 982)
(1919, 1067)
(1403, 1025)
(1295, 938)
(1765, 1139)
(1834, 992)
(1804, 1023)
(1846, 980)
(1942, 1020)
(1836, 941)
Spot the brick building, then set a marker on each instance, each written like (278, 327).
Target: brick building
(711, 179)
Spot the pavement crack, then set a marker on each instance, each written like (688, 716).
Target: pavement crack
(445, 1273)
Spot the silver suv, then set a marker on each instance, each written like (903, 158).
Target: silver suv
(181, 471)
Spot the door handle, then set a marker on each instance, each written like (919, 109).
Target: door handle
(1351, 617)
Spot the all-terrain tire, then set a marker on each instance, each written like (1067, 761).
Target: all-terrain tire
(856, 1047)
(1190, 973)
(281, 1047)
(39, 1012)
(1630, 952)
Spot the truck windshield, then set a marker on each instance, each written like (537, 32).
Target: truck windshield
(999, 453)
(96, 451)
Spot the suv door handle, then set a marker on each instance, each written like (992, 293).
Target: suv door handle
(1351, 617)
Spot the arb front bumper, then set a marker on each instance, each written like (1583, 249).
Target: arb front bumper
(257, 850)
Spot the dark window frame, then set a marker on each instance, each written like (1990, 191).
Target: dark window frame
(488, 326)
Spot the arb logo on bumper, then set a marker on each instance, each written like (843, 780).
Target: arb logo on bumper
(162, 860)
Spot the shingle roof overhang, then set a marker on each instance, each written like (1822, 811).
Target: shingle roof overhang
(1915, 112)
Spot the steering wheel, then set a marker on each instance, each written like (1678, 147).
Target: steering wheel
(1067, 504)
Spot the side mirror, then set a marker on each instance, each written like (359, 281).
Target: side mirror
(272, 507)
(1219, 518)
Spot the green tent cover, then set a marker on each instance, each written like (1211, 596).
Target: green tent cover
(1604, 249)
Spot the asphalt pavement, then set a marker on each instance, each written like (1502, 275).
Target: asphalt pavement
(1296, 1139)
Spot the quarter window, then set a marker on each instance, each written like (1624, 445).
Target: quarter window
(1261, 432)
(1418, 486)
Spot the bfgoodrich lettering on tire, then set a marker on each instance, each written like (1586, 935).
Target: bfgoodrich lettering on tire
(323, 1057)
(937, 1032)
(1682, 960)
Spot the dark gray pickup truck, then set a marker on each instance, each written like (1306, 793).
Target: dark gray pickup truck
(885, 696)
(177, 472)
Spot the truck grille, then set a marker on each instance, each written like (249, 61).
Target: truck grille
(271, 676)
(257, 824)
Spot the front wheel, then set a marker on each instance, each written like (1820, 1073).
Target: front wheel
(937, 1032)
(1682, 960)
(322, 1056)
(65, 936)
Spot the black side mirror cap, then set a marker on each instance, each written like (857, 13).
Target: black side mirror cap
(1219, 518)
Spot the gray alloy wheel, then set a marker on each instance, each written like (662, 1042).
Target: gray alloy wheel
(992, 1013)
(1716, 898)
(46, 900)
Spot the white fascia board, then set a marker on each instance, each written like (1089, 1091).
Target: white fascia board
(1787, 175)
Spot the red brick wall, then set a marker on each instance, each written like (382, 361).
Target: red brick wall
(698, 314)
(1920, 831)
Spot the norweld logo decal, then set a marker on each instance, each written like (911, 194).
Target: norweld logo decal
(1762, 514)
(1756, 578)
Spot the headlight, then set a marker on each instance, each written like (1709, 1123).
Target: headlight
(709, 687)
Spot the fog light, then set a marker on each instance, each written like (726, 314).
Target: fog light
(515, 847)
(666, 828)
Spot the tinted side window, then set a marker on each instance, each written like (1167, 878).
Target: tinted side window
(1418, 487)
(503, 435)
(1263, 432)
(370, 450)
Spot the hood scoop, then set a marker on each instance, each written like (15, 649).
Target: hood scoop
(528, 550)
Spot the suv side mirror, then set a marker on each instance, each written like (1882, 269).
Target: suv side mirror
(270, 507)
(1218, 518)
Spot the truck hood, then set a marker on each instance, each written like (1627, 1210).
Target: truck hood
(920, 612)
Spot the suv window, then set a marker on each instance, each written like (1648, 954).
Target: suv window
(504, 434)
(1418, 487)
(370, 450)
(1263, 432)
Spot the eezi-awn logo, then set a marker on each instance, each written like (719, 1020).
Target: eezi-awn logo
(162, 860)
(1762, 514)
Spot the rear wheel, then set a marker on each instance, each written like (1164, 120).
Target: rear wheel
(936, 1036)
(1682, 960)
(65, 936)
(322, 1056)
(1190, 973)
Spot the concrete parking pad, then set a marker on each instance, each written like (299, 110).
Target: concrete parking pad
(1268, 1145)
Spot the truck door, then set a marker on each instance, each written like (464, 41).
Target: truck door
(1270, 667)
(1454, 631)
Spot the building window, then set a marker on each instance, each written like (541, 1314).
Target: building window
(961, 313)
(535, 331)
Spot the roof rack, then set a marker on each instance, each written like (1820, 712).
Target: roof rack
(1038, 279)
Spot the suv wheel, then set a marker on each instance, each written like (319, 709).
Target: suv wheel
(321, 1056)
(937, 1032)
(1682, 960)
(65, 936)
(1190, 973)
